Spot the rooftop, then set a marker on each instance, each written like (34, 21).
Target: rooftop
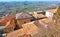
(52, 10)
(37, 16)
(46, 20)
(30, 28)
(5, 19)
(16, 33)
(22, 15)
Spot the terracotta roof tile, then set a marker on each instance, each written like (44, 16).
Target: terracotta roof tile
(38, 15)
(5, 19)
(16, 33)
(41, 16)
(10, 23)
(30, 28)
(46, 20)
(52, 10)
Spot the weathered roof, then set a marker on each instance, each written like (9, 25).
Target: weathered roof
(38, 15)
(16, 33)
(46, 20)
(10, 23)
(30, 28)
(5, 19)
(41, 16)
(52, 10)
(22, 15)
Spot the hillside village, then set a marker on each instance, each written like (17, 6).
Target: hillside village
(32, 24)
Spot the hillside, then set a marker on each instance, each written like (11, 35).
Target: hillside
(17, 7)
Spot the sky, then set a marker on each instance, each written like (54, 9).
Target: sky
(25, 0)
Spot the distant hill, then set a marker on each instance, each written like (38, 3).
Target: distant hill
(17, 7)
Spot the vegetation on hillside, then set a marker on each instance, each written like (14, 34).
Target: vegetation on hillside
(17, 7)
(57, 14)
(56, 25)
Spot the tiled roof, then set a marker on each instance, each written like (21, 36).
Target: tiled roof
(22, 15)
(10, 23)
(38, 15)
(5, 19)
(46, 20)
(16, 33)
(30, 28)
(52, 10)
(41, 16)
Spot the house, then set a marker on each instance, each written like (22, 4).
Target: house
(50, 13)
(46, 20)
(8, 22)
(28, 30)
(36, 28)
(23, 18)
(10, 26)
(32, 29)
(5, 19)
(38, 15)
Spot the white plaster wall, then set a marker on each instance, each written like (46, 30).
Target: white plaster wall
(49, 14)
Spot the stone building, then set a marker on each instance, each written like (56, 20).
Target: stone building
(50, 13)
(38, 15)
(23, 18)
(5, 19)
(10, 24)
